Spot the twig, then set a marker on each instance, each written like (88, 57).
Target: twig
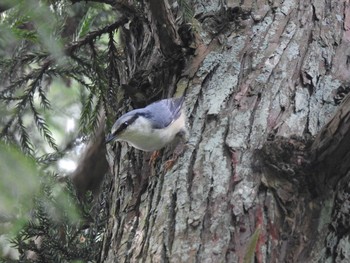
(95, 34)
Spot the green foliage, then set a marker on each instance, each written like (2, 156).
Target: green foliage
(45, 44)
(45, 216)
(187, 11)
(54, 233)
(19, 180)
(86, 22)
(250, 250)
(57, 61)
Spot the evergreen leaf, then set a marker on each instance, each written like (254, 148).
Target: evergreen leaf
(26, 145)
(86, 113)
(44, 102)
(187, 11)
(42, 127)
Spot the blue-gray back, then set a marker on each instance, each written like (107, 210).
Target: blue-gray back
(164, 112)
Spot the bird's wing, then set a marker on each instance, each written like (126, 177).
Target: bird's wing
(165, 112)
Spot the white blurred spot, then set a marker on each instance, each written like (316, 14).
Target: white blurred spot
(67, 165)
(70, 125)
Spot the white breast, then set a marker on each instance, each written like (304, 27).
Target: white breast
(141, 136)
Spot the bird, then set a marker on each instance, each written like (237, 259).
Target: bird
(153, 127)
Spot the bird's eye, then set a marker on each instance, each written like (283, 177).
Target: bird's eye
(125, 124)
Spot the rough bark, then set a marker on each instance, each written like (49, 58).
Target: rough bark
(253, 185)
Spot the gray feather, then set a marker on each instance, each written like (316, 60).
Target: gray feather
(162, 113)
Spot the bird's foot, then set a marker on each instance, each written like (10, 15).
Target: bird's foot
(177, 152)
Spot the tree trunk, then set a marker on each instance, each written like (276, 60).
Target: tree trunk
(253, 185)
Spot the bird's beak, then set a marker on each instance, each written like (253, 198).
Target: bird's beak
(110, 138)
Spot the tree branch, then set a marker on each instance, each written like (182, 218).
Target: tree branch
(109, 2)
(94, 34)
(167, 30)
(125, 8)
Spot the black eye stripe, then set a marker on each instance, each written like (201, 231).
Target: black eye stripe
(121, 128)
(125, 124)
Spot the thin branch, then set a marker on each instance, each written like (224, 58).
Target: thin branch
(108, 2)
(123, 6)
(95, 34)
